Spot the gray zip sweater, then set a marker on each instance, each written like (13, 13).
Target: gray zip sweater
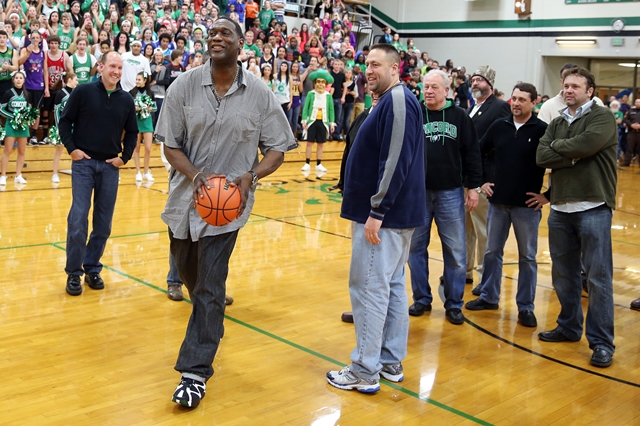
(582, 157)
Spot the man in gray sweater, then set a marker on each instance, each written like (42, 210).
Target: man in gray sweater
(580, 149)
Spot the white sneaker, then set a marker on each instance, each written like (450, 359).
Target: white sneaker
(306, 167)
(33, 141)
(3, 180)
(55, 178)
(19, 179)
(138, 177)
(148, 177)
(321, 168)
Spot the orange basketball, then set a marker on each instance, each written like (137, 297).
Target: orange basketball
(220, 203)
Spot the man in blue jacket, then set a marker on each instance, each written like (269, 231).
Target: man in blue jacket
(384, 197)
(513, 190)
(91, 129)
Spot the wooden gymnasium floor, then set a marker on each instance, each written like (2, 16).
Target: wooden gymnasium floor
(106, 357)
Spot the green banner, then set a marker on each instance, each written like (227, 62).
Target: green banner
(598, 1)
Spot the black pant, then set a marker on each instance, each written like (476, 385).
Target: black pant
(248, 23)
(633, 147)
(203, 266)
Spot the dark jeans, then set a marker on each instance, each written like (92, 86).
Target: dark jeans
(172, 276)
(589, 233)
(100, 180)
(157, 113)
(337, 111)
(633, 147)
(293, 117)
(203, 266)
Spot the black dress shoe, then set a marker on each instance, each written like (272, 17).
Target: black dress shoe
(174, 292)
(94, 281)
(477, 290)
(636, 305)
(527, 318)
(468, 280)
(479, 305)
(555, 335)
(418, 309)
(74, 286)
(228, 300)
(347, 317)
(601, 358)
(454, 315)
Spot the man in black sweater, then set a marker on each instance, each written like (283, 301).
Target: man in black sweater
(514, 199)
(91, 129)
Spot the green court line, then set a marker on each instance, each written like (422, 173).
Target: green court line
(306, 350)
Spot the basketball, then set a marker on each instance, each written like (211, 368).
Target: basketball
(220, 203)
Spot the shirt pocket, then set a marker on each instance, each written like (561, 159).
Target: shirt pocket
(247, 127)
(194, 120)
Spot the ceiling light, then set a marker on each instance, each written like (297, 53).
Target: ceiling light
(627, 64)
(575, 41)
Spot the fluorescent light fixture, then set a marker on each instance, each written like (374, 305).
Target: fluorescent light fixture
(627, 64)
(575, 41)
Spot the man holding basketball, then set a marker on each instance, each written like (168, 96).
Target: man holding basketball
(213, 121)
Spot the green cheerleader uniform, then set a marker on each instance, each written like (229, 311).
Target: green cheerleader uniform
(145, 125)
(10, 103)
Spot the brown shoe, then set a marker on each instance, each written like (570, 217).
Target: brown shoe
(174, 292)
(347, 317)
(636, 305)
(228, 300)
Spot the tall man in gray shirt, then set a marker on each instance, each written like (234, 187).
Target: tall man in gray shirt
(212, 123)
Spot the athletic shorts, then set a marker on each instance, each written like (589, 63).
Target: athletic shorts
(35, 98)
(48, 103)
(5, 86)
(317, 132)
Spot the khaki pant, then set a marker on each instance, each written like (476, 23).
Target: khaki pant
(358, 108)
(476, 235)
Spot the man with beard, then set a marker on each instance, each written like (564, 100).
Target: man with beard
(483, 113)
(514, 199)
(205, 101)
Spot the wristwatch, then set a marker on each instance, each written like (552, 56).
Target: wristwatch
(254, 177)
(478, 190)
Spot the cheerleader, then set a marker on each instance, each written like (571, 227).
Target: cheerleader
(145, 123)
(62, 96)
(12, 102)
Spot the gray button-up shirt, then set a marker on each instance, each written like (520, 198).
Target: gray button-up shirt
(216, 138)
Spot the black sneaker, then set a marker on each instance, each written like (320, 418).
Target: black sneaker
(527, 318)
(94, 281)
(418, 309)
(454, 315)
(477, 290)
(74, 286)
(479, 305)
(189, 392)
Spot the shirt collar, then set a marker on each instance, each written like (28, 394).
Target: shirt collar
(582, 110)
(206, 74)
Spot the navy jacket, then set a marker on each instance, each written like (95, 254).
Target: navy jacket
(385, 177)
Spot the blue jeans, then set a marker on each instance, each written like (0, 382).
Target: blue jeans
(347, 110)
(589, 233)
(447, 208)
(337, 111)
(379, 299)
(204, 266)
(173, 277)
(98, 180)
(293, 118)
(525, 222)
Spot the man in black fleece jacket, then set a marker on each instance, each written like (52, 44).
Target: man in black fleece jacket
(452, 155)
(91, 129)
(514, 198)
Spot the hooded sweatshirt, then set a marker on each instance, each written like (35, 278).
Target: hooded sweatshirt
(452, 152)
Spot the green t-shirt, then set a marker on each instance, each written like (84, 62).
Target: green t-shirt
(254, 48)
(6, 57)
(265, 17)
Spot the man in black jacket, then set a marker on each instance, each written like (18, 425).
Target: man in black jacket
(514, 199)
(486, 110)
(91, 129)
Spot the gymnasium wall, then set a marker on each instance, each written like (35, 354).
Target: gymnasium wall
(488, 32)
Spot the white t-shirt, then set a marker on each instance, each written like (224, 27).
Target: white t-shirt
(131, 66)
